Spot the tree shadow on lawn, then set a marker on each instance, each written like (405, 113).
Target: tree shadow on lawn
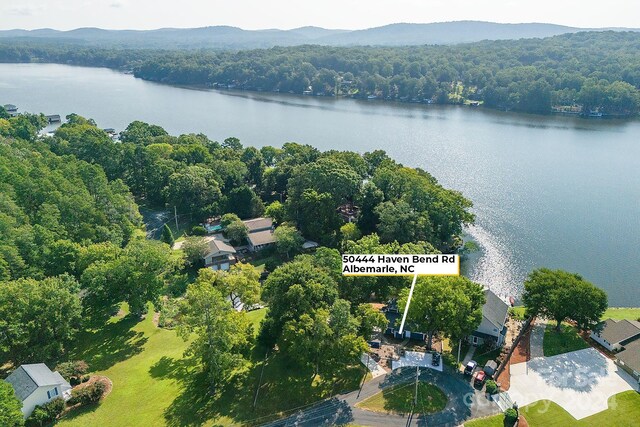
(578, 370)
(112, 343)
(283, 388)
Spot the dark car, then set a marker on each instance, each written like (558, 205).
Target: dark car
(471, 366)
(435, 359)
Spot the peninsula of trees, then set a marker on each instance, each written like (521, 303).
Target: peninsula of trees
(589, 73)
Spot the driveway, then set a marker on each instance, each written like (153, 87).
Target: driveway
(580, 381)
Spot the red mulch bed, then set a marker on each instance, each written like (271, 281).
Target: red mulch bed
(522, 422)
(521, 354)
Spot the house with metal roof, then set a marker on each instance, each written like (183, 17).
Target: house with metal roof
(494, 320)
(36, 384)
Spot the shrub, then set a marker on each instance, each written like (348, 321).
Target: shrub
(492, 387)
(72, 369)
(89, 394)
(198, 230)
(44, 414)
(38, 418)
(511, 416)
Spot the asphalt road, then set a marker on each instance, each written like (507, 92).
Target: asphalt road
(464, 402)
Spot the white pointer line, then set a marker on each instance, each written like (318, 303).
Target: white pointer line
(406, 309)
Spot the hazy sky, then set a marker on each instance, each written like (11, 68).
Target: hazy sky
(348, 14)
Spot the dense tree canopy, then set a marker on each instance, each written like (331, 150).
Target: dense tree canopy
(596, 70)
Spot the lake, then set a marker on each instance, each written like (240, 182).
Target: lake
(560, 192)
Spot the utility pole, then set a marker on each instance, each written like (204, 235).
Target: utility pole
(175, 215)
(415, 398)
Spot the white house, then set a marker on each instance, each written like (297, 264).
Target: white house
(220, 255)
(614, 334)
(494, 320)
(36, 385)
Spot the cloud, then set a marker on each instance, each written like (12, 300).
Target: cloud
(118, 4)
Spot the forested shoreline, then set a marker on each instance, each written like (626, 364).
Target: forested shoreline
(588, 73)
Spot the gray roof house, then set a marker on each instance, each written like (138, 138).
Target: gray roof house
(494, 319)
(614, 334)
(220, 255)
(36, 384)
(259, 233)
(629, 359)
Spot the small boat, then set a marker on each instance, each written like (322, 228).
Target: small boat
(372, 97)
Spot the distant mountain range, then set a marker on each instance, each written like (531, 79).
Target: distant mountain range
(225, 37)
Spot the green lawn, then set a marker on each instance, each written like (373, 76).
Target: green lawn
(154, 385)
(622, 313)
(518, 312)
(482, 357)
(624, 411)
(562, 342)
(494, 421)
(399, 399)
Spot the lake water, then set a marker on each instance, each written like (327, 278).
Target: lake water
(560, 192)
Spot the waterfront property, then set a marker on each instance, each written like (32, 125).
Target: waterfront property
(36, 384)
(621, 337)
(494, 320)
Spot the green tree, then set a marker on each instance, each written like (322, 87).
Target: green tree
(288, 240)
(221, 333)
(195, 190)
(276, 211)
(194, 248)
(370, 320)
(138, 132)
(10, 406)
(560, 295)
(237, 232)
(293, 289)
(244, 202)
(136, 276)
(450, 305)
(54, 302)
(167, 235)
(240, 284)
(349, 231)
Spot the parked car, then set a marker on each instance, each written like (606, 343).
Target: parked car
(471, 366)
(435, 359)
(479, 378)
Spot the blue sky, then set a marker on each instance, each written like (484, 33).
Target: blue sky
(348, 14)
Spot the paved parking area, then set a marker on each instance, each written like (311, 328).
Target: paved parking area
(580, 381)
(415, 358)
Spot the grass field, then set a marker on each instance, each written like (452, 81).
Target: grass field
(562, 342)
(624, 411)
(399, 399)
(154, 385)
(622, 313)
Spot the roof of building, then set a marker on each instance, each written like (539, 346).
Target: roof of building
(631, 355)
(309, 244)
(495, 310)
(615, 331)
(258, 224)
(217, 246)
(27, 378)
(263, 237)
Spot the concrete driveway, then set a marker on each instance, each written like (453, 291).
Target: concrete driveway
(580, 381)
